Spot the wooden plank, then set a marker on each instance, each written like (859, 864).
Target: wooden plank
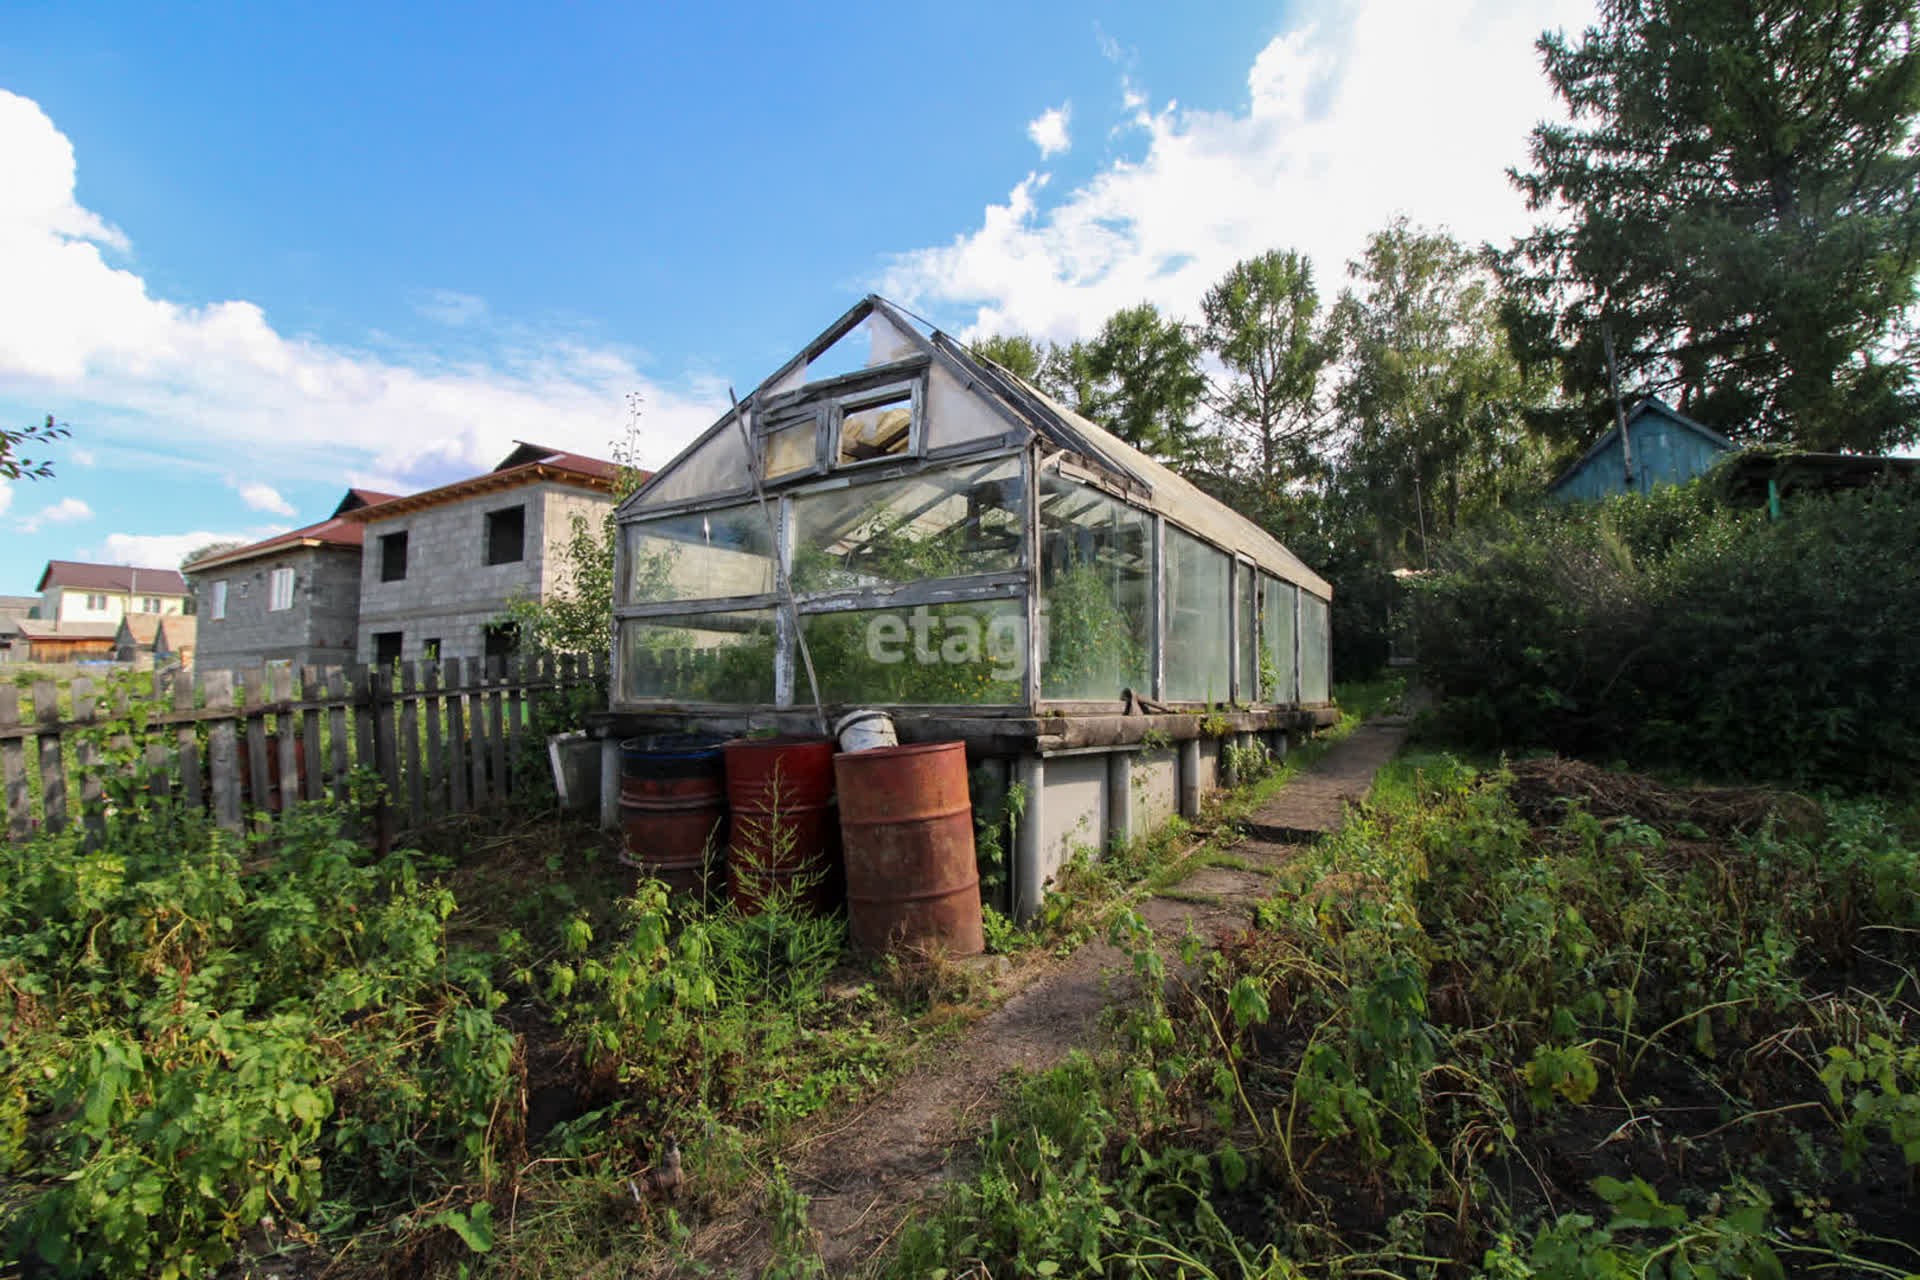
(15, 805)
(187, 745)
(364, 752)
(497, 728)
(477, 733)
(456, 740)
(386, 755)
(341, 698)
(86, 759)
(517, 668)
(253, 691)
(223, 760)
(53, 773)
(539, 671)
(280, 689)
(437, 799)
(314, 784)
(410, 763)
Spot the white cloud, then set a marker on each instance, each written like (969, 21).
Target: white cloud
(222, 376)
(1363, 112)
(65, 511)
(82, 457)
(263, 497)
(446, 306)
(6, 495)
(1049, 130)
(166, 550)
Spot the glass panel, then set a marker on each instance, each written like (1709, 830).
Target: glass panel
(1315, 649)
(790, 450)
(939, 524)
(1197, 668)
(703, 657)
(1096, 593)
(702, 555)
(969, 652)
(1276, 624)
(876, 428)
(718, 466)
(1247, 635)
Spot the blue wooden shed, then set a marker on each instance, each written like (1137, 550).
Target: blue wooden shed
(1662, 446)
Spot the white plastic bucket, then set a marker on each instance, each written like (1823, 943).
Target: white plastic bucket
(865, 730)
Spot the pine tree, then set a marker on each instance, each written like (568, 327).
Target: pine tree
(1738, 200)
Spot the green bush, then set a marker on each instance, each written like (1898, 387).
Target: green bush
(1670, 630)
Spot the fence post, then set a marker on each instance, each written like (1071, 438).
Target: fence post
(253, 696)
(438, 800)
(477, 732)
(53, 773)
(280, 681)
(312, 690)
(456, 737)
(187, 741)
(410, 745)
(13, 766)
(380, 691)
(86, 760)
(223, 760)
(497, 728)
(339, 704)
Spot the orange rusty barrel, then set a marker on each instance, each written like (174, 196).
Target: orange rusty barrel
(908, 828)
(779, 790)
(673, 808)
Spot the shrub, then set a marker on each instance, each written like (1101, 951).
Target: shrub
(1671, 630)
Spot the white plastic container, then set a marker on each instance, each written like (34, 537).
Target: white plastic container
(865, 730)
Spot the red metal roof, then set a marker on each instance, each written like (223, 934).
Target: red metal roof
(112, 577)
(334, 532)
(527, 464)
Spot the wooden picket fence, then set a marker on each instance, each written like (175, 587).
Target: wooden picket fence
(444, 738)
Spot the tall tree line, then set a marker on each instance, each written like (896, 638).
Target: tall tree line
(1734, 207)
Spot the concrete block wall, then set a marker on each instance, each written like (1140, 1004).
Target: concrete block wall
(1097, 799)
(320, 628)
(450, 593)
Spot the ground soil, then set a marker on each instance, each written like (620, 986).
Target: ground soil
(865, 1173)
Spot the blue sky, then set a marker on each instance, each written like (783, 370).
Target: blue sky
(253, 254)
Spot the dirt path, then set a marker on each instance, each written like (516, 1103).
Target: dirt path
(865, 1175)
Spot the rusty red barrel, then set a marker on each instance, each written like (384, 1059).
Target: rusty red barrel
(673, 808)
(907, 824)
(780, 790)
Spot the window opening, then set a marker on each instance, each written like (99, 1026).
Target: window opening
(386, 647)
(881, 427)
(430, 649)
(219, 605)
(393, 557)
(280, 588)
(501, 640)
(507, 535)
(96, 603)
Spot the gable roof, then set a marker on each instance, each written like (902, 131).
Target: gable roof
(44, 629)
(82, 576)
(1027, 409)
(144, 629)
(331, 532)
(358, 498)
(527, 464)
(1647, 405)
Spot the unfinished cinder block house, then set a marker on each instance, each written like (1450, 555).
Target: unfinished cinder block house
(890, 522)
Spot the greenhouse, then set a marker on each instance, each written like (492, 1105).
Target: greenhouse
(892, 522)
